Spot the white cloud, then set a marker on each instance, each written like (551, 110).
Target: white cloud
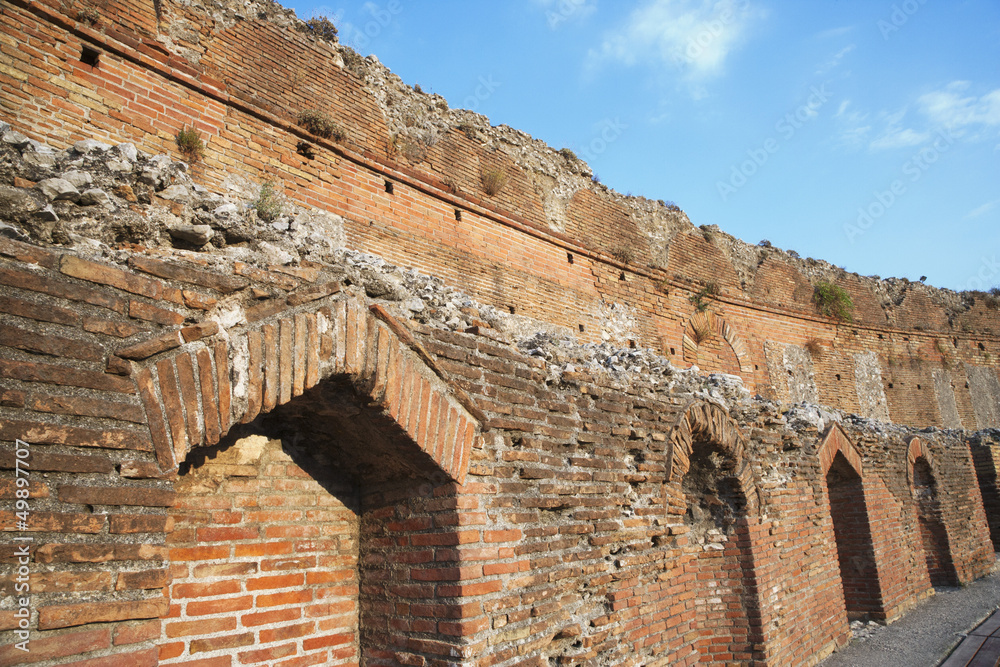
(834, 61)
(982, 210)
(894, 135)
(953, 109)
(694, 36)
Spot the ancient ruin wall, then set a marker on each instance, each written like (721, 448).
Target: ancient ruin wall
(447, 497)
(248, 462)
(575, 254)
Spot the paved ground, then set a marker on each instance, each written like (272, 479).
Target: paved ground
(929, 632)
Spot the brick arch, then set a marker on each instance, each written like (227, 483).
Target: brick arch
(836, 440)
(915, 450)
(702, 420)
(720, 328)
(197, 382)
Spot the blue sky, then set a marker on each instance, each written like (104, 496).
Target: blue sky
(862, 132)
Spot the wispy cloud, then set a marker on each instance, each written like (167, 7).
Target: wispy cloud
(694, 37)
(894, 135)
(834, 61)
(983, 210)
(958, 111)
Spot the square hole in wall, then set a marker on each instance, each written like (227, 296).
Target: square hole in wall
(569, 257)
(458, 215)
(511, 309)
(388, 187)
(581, 328)
(90, 56)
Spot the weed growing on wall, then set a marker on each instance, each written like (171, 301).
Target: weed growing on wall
(833, 301)
(701, 299)
(190, 145)
(321, 124)
(623, 254)
(320, 27)
(269, 203)
(814, 348)
(494, 180)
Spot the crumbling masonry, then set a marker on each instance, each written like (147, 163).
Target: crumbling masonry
(391, 419)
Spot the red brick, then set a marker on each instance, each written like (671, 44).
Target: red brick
(64, 616)
(133, 633)
(188, 274)
(117, 495)
(203, 626)
(63, 375)
(224, 387)
(145, 658)
(55, 522)
(108, 275)
(267, 655)
(167, 341)
(143, 580)
(137, 523)
(41, 312)
(225, 606)
(189, 395)
(210, 410)
(271, 617)
(227, 641)
(58, 646)
(49, 344)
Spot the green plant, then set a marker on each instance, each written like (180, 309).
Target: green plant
(269, 203)
(706, 233)
(321, 124)
(189, 143)
(671, 206)
(700, 299)
(568, 154)
(701, 329)
(320, 27)
(494, 179)
(833, 301)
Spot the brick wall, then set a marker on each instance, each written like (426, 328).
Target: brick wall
(314, 481)
(143, 93)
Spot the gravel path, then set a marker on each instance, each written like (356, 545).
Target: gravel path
(928, 633)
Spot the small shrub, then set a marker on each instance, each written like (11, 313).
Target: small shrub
(701, 298)
(764, 243)
(793, 254)
(623, 254)
(833, 301)
(568, 154)
(670, 206)
(701, 329)
(814, 348)
(418, 89)
(706, 233)
(992, 300)
(321, 124)
(594, 178)
(320, 27)
(494, 179)
(269, 203)
(190, 145)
